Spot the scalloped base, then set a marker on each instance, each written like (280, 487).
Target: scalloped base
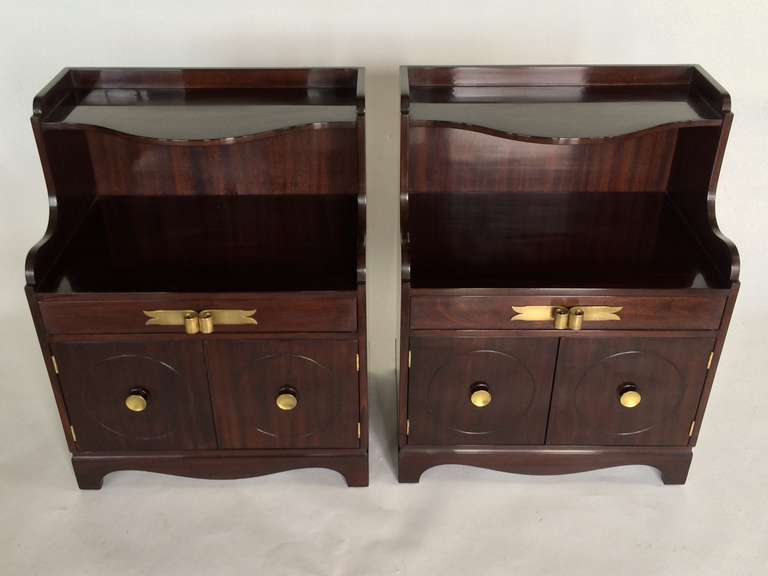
(90, 470)
(673, 463)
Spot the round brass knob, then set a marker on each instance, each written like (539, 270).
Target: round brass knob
(629, 397)
(480, 395)
(136, 401)
(286, 400)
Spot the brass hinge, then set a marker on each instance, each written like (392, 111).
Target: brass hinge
(357, 362)
(55, 364)
(359, 431)
(410, 358)
(74, 436)
(408, 427)
(709, 362)
(693, 425)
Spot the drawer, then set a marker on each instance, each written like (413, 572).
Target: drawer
(496, 312)
(284, 394)
(627, 391)
(133, 395)
(127, 313)
(479, 390)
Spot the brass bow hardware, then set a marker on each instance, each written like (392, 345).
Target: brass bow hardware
(203, 321)
(564, 317)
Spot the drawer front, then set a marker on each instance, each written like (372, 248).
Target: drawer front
(284, 394)
(451, 312)
(136, 395)
(627, 391)
(125, 314)
(480, 390)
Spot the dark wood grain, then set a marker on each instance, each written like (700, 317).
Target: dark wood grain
(246, 377)
(673, 463)
(669, 374)
(640, 311)
(97, 377)
(565, 186)
(517, 373)
(202, 189)
(124, 313)
(90, 469)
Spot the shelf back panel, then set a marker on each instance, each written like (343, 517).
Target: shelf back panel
(126, 166)
(457, 160)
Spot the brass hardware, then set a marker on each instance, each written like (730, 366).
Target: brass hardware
(172, 318)
(629, 397)
(191, 323)
(600, 313)
(286, 399)
(137, 400)
(408, 427)
(560, 314)
(55, 364)
(410, 358)
(575, 318)
(534, 313)
(205, 319)
(709, 361)
(72, 432)
(564, 317)
(357, 362)
(480, 395)
(359, 431)
(690, 431)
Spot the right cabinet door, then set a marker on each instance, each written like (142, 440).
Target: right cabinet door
(627, 391)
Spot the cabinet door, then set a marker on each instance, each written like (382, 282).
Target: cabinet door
(136, 395)
(284, 394)
(480, 390)
(628, 391)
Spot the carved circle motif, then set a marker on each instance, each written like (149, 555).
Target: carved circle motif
(656, 378)
(509, 379)
(115, 377)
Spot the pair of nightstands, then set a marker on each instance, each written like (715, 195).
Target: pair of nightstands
(200, 293)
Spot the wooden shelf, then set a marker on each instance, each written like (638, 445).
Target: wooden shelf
(555, 240)
(211, 244)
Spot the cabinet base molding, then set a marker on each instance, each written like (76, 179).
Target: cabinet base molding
(673, 463)
(90, 470)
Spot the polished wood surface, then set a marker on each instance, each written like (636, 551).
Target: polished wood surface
(200, 189)
(481, 310)
(98, 376)
(454, 159)
(564, 186)
(315, 311)
(209, 243)
(516, 373)
(247, 376)
(555, 240)
(672, 463)
(668, 373)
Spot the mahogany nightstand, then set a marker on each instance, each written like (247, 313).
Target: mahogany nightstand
(200, 293)
(565, 289)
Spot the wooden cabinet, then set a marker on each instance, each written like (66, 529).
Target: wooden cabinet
(200, 294)
(480, 390)
(166, 379)
(285, 394)
(560, 259)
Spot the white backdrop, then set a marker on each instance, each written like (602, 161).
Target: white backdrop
(458, 520)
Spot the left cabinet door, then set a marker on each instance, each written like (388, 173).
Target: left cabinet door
(136, 395)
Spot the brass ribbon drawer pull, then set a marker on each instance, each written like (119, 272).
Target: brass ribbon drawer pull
(203, 321)
(563, 317)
